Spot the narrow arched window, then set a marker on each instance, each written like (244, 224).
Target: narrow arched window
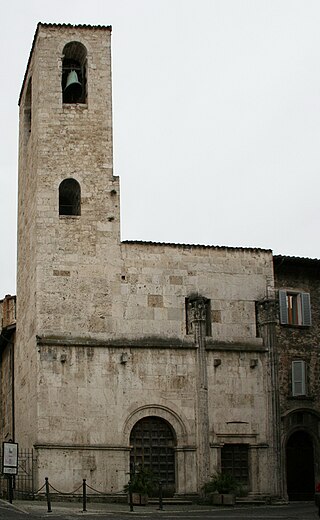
(74, 76)
(69, 197)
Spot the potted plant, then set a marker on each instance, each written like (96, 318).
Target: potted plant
(140, 486)
(222, 488)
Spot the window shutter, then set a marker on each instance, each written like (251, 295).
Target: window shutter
(298, 378)
(283, 307)
(306, 309)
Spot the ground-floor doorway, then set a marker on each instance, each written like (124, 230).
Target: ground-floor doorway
(153, 442)
(300, 466)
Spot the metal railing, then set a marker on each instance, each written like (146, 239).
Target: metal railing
(23, 482)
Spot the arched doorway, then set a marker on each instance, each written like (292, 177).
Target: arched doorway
(152, 442)
(300, 466)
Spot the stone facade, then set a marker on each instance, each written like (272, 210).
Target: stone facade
(113, 335)
(93, 389)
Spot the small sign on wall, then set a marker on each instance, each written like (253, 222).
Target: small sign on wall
(9, 458)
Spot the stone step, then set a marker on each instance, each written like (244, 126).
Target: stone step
(171, 501)
(251, 501)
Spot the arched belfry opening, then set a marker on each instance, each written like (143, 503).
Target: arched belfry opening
(69, 198)
(153, 442)
(74, 73)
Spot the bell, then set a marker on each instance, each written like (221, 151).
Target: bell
(73, 88)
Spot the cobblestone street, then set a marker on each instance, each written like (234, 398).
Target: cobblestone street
(23, 510)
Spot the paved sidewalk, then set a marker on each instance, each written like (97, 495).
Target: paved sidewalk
(97, 508)
(38, 509)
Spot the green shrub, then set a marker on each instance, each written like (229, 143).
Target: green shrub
(223, 483)
(141, 482)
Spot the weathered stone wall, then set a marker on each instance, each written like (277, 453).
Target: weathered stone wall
(88, 393)
(87, 396)
(148, 324)
(92, 393)
(25, 351)
(77, 256)
(156, 279)
(66, 468)
(62, 261)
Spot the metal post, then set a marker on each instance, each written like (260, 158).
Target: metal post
(132, 473)
(10, 486)
(48, 495)
(130, 496)
(32, 475)
(84, 495)
(160, 496)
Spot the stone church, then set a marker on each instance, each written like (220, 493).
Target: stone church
(138, 352)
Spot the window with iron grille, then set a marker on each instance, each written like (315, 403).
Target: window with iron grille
(235, 461)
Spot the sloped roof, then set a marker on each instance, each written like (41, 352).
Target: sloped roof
(280, 259)
(194, 246)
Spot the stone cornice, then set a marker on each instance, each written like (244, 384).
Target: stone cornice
(252, 345)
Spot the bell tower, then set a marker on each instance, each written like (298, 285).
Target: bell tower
(68, 202)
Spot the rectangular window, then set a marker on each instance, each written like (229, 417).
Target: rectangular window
(235, 462)
(298, 378)
(294, 308)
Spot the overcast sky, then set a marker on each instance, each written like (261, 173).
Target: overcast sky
(216, 107)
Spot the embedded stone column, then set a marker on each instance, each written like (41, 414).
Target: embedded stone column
(266, 321)
(197, 312)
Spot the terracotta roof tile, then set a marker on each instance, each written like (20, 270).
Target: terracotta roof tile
(194, 246)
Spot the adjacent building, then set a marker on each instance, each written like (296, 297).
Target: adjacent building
(298, 348)
(7, 341)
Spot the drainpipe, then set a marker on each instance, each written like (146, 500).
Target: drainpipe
(12, 391)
